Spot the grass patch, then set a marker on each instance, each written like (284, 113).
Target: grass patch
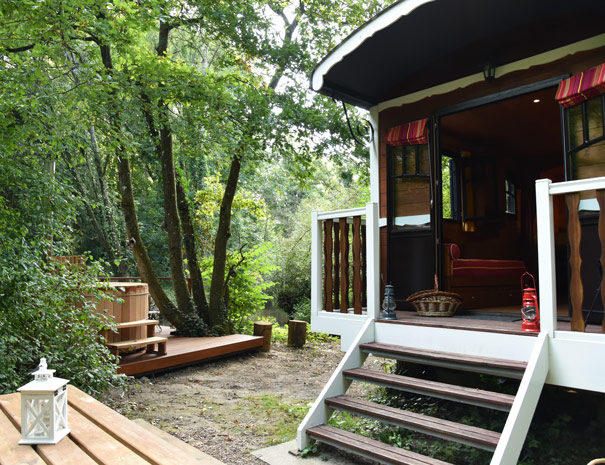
(277, 419)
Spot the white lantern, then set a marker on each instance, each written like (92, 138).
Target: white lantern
(43, 408)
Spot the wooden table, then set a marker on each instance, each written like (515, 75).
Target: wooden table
(99, 436)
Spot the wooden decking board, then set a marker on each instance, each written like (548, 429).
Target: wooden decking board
(184, 351)
(369, 448)
(99, 444)
(432, 388)
(98, 435)
(430, 355)
(444, 429)
(11, 453)
(66, 451)
(132, 435)
(466, 324)
(483, 325)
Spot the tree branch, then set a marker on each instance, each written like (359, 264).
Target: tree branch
(25, 48)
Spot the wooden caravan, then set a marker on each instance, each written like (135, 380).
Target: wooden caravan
(487, 160)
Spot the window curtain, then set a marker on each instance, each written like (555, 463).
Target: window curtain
(414, 133)
(581, 87)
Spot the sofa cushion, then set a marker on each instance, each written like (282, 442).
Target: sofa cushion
(480, 268)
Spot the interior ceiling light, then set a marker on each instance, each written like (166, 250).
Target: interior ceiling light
(536, 100)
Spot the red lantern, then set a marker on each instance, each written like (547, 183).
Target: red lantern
(530, 311)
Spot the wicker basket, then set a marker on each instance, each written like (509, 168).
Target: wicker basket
(435, 302)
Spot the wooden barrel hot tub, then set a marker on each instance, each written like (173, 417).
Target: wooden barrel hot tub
(131, 303)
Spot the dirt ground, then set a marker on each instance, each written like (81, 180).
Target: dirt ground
(230, 407)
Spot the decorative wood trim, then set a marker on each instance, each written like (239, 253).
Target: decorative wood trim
(601, 200)
(344, 265)
(328, 302)
(336, 288)
(574, 232)
(364, 267)
(357, 265)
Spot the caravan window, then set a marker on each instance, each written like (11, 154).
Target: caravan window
(410, 187)
(450, 198)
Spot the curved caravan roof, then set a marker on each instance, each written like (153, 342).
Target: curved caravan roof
(416, 44)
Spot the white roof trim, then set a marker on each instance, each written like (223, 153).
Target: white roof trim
(381, 21)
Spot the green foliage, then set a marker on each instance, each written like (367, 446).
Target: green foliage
(246, 278)
(46, 310)
(293, 247)
(285, 414)
(302, 310)
(248, 208)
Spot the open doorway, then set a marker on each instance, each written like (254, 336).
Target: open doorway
(490, 157)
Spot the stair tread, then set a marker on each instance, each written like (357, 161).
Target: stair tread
(370, 448)
(475, 360)
(426, 424)
(134, 342)
(437, 389)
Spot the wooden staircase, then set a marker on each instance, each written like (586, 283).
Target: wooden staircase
(334, 397)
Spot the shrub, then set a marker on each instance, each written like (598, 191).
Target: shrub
(48, 311)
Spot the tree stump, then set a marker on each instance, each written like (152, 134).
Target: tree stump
(297, 333)
(264, 328)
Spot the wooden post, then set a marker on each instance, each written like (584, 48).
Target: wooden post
(297, 333)
(264, 329)
(574, 233)
(601, 199)
(357, 299)
(344, 265)
(328, 283)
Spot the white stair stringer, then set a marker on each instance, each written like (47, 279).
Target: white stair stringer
(337, 385)
(515, 430)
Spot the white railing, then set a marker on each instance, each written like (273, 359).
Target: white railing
(545, 190)
(344, 270)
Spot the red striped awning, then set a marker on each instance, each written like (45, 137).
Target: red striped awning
(414, 133)
(581, 87)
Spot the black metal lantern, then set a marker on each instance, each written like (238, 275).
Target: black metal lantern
(388, 304)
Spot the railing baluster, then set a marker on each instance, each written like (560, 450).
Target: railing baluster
(328, 289)
(336, 265)
(344, 265)
(601, 199)
(357, 265)
(364, 268)
(575, 261)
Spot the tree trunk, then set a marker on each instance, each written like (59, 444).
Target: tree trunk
(173, 223)
(139, 251)
(264, 329)
(297, 333)
(217, 286)
(197, 283)
(130, 217)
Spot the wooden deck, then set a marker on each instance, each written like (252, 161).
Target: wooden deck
(98, 436)
(187, 350)
(503, 320)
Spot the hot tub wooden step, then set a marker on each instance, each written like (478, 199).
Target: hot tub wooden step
(488, 399)
(134, 324)
(115, 347)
